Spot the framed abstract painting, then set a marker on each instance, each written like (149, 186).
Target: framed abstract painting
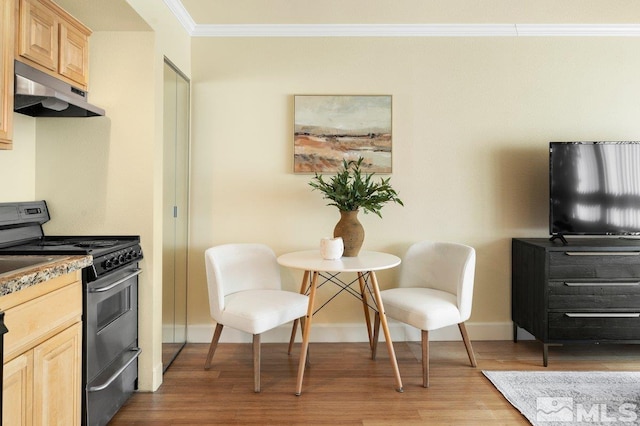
(331, 128)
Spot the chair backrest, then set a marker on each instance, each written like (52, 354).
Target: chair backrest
(442, 266)
(238, 267)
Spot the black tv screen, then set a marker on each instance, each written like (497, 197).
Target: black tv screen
(594, 188)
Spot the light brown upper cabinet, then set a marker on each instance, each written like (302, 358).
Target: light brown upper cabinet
(7, 31)
(73, 60)
(53, 41)
(38, 34)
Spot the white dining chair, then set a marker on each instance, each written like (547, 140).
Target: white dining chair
(245, 293)
(435, 290)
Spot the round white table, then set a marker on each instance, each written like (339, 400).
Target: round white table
(310, 260)
(364, 265)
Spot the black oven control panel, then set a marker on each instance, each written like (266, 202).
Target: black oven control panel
(117, 259)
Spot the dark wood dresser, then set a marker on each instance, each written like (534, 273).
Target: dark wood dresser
(585, 291)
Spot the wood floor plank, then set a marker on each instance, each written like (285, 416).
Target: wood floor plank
(344, 386)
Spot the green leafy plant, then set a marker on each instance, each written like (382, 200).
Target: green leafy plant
(351, 189)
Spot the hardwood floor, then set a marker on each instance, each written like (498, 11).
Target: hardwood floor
(344, 386)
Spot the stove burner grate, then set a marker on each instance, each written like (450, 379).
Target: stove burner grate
(54, 243)
(81, 244)
(96, 244)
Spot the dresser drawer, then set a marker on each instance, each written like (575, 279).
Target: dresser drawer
(594, 294)
(600, 326)
(583, 264)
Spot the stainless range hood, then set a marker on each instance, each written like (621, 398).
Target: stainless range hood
(40, 95)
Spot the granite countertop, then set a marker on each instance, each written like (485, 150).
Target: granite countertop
(27, 277)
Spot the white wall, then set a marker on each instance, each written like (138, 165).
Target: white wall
(97, 174)
(472, 118)
(170, 40)
(104, 175)
(17, 166)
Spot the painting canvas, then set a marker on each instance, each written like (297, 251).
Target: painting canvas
(330, 129)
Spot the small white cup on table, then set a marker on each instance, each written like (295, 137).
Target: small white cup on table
(331, 248)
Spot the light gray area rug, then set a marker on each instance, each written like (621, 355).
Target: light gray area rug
(563, 398)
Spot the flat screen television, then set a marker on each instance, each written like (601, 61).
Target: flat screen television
(594, 188)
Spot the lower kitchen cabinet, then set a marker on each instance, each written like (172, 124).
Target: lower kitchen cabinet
(43, 353)
(17, 398)
(56, 378)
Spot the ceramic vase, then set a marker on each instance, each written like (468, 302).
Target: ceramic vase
(351, 231)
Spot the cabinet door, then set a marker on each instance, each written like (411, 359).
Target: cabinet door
(6, 72)
(74, 54)
(57, 378)
(38, 36)
(17, 396)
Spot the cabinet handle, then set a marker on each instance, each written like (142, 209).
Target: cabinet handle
(602, 315)
(606, 284)
(602, 253)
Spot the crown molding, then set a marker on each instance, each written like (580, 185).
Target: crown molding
(578, 30)
(184, 18)
(416, 30)
(398, 30)
(355, 30)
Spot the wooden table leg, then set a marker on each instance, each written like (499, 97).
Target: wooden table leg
(306, 333)
(376, 335)
(385, 328)
(365, 306)
(303, 290)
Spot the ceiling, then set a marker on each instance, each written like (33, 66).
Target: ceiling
(105, 15)
(373, 12)
(371, 17)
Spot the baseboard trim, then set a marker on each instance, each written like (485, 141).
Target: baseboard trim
(356, 332)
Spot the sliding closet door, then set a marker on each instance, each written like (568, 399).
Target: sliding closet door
(175, 212)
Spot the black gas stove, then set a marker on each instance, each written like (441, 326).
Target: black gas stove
(110, 303)
(109, 252)
(21, 233)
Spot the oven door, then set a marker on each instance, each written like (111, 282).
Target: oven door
(111, 350)
(111, 318)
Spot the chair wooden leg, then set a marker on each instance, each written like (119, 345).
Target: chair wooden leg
(376, 335)
(256, 363)
(293, 335)
(213, 346)
(425, 358)
(467, 344)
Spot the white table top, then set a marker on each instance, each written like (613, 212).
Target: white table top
(310, 260)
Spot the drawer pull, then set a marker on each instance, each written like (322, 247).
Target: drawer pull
(602, 253)
(606, 284)
(602, 315)
(135, 352)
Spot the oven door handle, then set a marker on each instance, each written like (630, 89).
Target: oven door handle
(117, 374)
(116, 284)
